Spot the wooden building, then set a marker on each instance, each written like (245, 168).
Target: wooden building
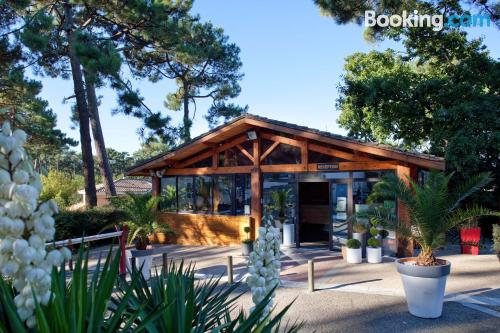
(218, 183)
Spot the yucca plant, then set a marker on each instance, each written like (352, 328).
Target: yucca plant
(193, 306)
(434, 208)
(142, 212)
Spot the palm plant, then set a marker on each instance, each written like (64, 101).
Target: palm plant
(434, 208)
(142, 211)
(280, 201)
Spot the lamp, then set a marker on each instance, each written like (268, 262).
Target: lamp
(251, 135)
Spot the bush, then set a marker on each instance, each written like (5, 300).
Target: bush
(373, 242)
(92, 221)
(61, 187)
(496, 237)
(353, 244)
(373, 231)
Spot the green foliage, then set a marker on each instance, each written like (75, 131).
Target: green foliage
(383, 233)
(374, 231)
(353, 244)
(61, 187)
(496, 238)
(171, 302)
(247, 229)
(280, 199)
(148, 150)
(435, 208)
(373, 242)
(141, 211)
(75, 224)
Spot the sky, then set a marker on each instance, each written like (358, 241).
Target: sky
(292, 60)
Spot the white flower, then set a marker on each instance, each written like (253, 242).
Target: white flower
(10, 267)
(4, 177)
(20, 177)
(20, 135)
(54, 258)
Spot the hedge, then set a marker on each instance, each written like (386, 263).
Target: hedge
(75, 224)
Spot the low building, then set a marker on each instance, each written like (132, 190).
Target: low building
(220, 182)
(122, 186)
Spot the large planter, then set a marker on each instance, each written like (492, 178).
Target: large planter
(246, 248)
(288, 234)
(468, 238)
(374, 255)
(424, 286)
(361, 236)
(143, 261)
(354, 256)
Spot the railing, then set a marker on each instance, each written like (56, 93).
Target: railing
(120, 234)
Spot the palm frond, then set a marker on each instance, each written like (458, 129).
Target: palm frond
(468, 187)
(461, 215)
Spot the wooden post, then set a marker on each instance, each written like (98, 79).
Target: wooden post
(156, 186)
(230, 269)
(405, 246)
(256, 185)
(122, 242)
(164, 258)
(310, 274)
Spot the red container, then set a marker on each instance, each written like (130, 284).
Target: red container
(469, 236)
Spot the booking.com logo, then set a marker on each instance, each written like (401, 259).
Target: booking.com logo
(416, 20)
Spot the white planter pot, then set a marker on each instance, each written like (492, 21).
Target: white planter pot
(424, 287)
(374, 255)
(145, 262)
(288, 234)
(354, 256)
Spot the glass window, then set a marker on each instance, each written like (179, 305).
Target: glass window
(205, 163)
(274, 185)
(283, 154)
(185, 194)
(222, 194)
(168, 194)
(243, 194)
(203, 193)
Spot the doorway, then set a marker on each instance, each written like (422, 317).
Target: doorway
(314, 213)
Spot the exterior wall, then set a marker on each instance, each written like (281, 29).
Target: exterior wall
(200, 229)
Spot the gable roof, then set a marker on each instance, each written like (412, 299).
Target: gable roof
(249, 121)
(127, 185)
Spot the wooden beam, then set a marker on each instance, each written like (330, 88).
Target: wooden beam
(337, 153)
(269, 150)
(256, 186)
(245, 152)
(230, 144)
(215, 158)
(283, 168)
(209, 171)
(281, 139)
(156, 186)
(405, 245)
(304, 153)
(194, 159)
(358, 166)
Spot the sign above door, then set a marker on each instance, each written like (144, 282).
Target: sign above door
(327, 166)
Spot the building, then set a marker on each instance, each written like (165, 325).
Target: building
(122, 186)
(219, 182)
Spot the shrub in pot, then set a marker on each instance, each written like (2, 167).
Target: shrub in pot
(141, 210)
(470, 238)
(280, 199)
(496, 239)
(354, 251)
(247, 244)
(434, 209)
(374, 249)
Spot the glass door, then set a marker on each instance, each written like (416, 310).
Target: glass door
(339, 213)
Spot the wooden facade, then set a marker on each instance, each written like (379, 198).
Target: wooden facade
(255, 140)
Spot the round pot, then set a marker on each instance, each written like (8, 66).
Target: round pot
(246, 248)
(288, 234)
(354, 256)
(361, 236)
(424, 286)
(374, 255)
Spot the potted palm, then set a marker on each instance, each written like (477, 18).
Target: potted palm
(280, 201)
(247, 244)
(374, 249)
(354, 251)
(141, 210)
(434, 209)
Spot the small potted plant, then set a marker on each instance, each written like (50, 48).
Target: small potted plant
(434, 209)
(496, 239)
(247, 244)
(359, 233)
(354, 251)
(374, 250)
(280, 203)
(470, 237)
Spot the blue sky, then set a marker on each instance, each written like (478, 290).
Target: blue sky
(292, 59)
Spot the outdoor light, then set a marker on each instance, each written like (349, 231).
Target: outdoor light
(251, 135)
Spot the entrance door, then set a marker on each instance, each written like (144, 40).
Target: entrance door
(314, 213)
(339, 214)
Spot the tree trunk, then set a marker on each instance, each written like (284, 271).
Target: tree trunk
(83, 113)
(99, 145)
(186, 131)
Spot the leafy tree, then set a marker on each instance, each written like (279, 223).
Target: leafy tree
(119, 161)
(148, 150)
(61, 187)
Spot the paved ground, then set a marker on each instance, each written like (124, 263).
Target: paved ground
(365, 297)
